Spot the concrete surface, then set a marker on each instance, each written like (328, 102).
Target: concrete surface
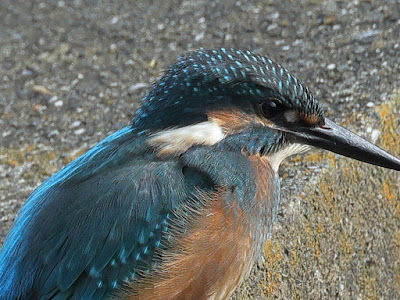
(72, 72)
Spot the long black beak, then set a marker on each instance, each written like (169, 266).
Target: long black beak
(335, 138)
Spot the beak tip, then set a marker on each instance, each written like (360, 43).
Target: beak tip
(337, 139)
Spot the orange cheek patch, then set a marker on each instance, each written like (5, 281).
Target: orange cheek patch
(310, 119)
(234, 120)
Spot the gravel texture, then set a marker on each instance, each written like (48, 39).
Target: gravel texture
(73, 72)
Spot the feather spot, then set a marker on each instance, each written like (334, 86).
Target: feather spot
(93, 272)
(113, 262)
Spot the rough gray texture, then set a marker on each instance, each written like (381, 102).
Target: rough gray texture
(73, 71)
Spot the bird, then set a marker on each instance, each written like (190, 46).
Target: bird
(178, 204)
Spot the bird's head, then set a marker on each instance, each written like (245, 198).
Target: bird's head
(247, 101)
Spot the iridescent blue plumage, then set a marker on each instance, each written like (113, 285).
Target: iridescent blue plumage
(98, 223)
(127, 214)
(92, 225)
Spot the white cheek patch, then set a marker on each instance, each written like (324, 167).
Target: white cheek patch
(277, 157)
(178, 140)
(290, 116)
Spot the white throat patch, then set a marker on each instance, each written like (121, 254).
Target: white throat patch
(177, 140)
(277, 157)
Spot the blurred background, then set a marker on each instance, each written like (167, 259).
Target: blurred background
(72, 72)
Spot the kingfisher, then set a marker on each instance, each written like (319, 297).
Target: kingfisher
(178, 204)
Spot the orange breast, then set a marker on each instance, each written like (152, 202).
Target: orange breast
(217, 252)
(264, 179)
(208, 262)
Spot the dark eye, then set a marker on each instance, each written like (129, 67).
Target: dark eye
(271, 108)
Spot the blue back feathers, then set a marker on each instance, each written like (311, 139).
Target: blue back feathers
(85, 230)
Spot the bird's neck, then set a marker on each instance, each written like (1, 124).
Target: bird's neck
(250, 181)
